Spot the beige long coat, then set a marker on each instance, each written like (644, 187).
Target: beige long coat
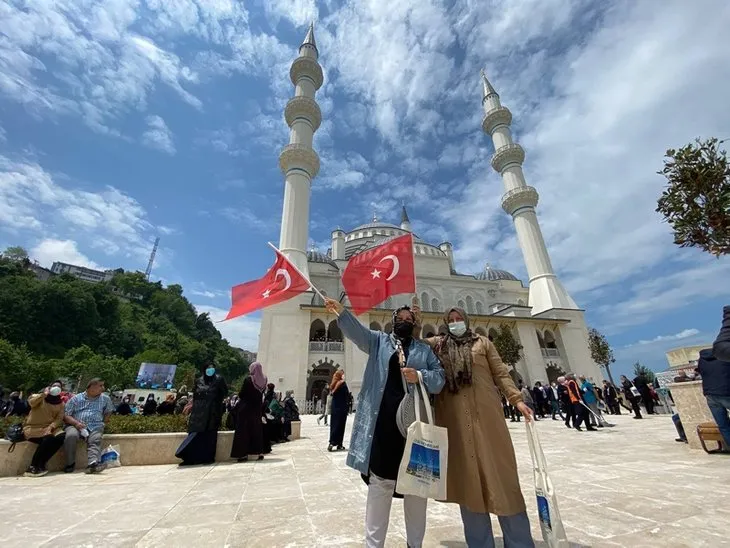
(482, 473)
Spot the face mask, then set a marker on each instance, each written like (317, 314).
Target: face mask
(55, 391)
(403, 329)
(457, 328)
(210, 371)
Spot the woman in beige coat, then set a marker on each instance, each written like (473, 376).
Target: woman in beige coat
(482, 475)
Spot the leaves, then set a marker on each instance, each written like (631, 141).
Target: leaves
(601, 351)
(696, 202)
(644, 372)
(507, 346)
(15, 253)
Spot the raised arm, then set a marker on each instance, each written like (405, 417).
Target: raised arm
(500, 374)
(35, 400)
(364, 338)
(721, 348)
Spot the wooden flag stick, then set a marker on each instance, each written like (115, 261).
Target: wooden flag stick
(306, 278)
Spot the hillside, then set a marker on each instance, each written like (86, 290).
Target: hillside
(66, 327)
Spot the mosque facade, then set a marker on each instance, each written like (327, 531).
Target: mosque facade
(300, 344)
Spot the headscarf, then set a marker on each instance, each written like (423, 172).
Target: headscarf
(256, 371)
(337, 380)
(455, 353)
(289, 393)
(399, 347)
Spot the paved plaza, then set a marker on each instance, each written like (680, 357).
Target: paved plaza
(632, 485)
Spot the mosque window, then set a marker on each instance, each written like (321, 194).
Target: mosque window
(480, 331)
(549, 340)
(492, 334)
(425, 302)
(470, 305)
(375, 326)
(317, 331)
(392, 232)
(461, 305)
(333, 332)
(435, 305)
(480, 307)
(540, 340)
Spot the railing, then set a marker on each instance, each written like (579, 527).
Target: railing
(326, 346)
(550, 352)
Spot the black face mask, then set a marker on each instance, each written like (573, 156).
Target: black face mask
(403, 329)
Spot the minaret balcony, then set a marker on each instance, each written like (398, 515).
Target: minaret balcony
(299, 156)
(517, 198)
(303, 107)
(506, 155)
(496, 117)
(306, 67)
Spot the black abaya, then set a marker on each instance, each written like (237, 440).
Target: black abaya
(205, 420)
(249, 436)
(340, 403)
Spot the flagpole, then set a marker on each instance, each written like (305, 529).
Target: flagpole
(306, 278)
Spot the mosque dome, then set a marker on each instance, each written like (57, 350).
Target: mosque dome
(494, 274)
(314, 256)
(374, 224)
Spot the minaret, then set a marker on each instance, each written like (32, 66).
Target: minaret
(405, 222)
(298, 160)
(519, 200)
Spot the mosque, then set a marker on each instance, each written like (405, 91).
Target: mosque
(300, 344)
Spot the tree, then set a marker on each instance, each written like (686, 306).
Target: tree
(601, 351)
(15, 253)
(644, 372)
(509, 349)
(696, 202)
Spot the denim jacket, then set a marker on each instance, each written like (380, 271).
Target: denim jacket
(380, 347)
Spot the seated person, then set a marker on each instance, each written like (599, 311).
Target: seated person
(44, 427)
(86, 414)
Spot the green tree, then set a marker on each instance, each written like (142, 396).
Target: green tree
(644, 372)
(696, 202)
(506, 344)
(16, 253)
(601, 351)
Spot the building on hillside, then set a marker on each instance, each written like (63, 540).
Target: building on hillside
(43, 274)
(82, 272)
(247, 355)
(300, 343)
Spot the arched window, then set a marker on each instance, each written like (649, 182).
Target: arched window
(333, 332)
(492, 334)
(375, 326)
(470, 305)
(461, 305)
(480, 308)
(425, 302)
(549, 340)
(317, 331)
(480, 331)
(540, 340)
(428, 331)
(443, 330)
(388, 328)
(435, 305)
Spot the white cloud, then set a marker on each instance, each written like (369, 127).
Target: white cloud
(242, 332)
(158, 135)
(66, 251)
(684, 334)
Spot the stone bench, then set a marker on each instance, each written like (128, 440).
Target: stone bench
(708, 431)
(135, 450)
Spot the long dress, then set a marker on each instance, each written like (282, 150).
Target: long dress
(205, 420)
(340, 400)
(249, 436)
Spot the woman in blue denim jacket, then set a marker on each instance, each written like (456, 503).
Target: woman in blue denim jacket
(377, 445)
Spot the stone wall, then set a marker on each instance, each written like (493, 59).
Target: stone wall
(134, 449)
(692, 408)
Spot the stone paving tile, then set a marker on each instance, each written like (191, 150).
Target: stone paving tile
(631, 486)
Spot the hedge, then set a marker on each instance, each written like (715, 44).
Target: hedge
(129, 424)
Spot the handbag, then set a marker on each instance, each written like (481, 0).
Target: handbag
(424, 466)
(635, 391)
(406, 413)
(15, 435)
(553, 532)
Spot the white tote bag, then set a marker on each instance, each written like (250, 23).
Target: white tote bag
(423, 468)
(553, 532)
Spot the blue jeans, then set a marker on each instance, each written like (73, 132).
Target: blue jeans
(478, 530)
(719, 407)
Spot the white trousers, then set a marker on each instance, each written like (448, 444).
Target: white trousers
(377, 514)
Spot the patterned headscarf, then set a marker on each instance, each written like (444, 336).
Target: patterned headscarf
(256, 371)
(455, 353)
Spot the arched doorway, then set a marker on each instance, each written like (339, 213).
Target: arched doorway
(320, 375)
(317, 331)
(333, 332)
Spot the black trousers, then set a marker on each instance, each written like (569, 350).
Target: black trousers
(569, 414)
(47, 447)
(580, 415)
(635, 407)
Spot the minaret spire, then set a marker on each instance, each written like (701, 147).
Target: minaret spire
(405, 222)
(298, 160)
(519, 200)
(488, 89)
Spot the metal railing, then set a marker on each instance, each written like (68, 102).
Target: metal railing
(326, 346)
(550, 352)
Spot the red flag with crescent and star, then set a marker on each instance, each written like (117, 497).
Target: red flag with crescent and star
(378, 273)
(282, 282)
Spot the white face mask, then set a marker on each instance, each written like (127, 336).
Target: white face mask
(457, 328)
(55, 390)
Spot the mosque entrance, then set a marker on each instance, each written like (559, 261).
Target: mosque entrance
(320, 375)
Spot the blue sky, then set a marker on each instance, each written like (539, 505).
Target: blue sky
(127, 119)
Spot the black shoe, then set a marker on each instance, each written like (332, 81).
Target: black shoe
(578, 428)
(638, 417)
(35, 472)
(600, 426)
(592, 429)
(69, 469)
(341, 448)
(330, 448)
(95, 468)
(261, 457)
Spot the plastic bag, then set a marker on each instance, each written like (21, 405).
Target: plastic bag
(553, 532)
(424, 465)
(110, 457)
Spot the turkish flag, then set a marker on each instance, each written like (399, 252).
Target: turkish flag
(374, 275)
(282, 282)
